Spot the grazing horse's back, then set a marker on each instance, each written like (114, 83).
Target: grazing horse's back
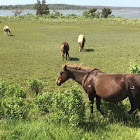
(81, 41)
(65, 49)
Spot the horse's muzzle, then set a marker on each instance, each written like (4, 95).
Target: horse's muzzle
(58, 84)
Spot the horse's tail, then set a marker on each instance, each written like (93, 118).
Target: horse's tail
(66, 47)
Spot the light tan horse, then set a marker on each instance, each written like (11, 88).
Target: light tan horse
(65, 49)
(81, 41)
(6, 30)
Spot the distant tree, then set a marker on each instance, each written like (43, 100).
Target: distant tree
(37, 6)
(106, 12)
(89, 14)
(41, 8)
(86, 14)
(93, 10)
(45, 8)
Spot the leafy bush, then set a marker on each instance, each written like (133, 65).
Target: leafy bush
(35, 85)
(14, 108)
(69, 107)
(43, 102)
(134, 68)
(15, 90)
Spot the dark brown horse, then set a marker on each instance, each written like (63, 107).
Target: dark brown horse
(110, 87)
(65, 49)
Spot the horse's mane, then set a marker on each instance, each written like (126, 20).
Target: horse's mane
(79, 67)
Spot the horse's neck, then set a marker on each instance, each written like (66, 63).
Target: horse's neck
(78, 75)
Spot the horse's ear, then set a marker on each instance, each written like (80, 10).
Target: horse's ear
(65, 67)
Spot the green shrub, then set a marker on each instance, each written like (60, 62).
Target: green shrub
(69, 107)
(15, 90)
(43, 102)
(14, 108)
(3, 88)
(35, 85)
(134, 68)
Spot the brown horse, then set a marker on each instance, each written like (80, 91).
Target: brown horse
(110, 87)
(65, 49)
(81, 41)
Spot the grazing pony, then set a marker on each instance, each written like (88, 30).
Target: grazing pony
(110, 87)
(65, 49)
(81, 41)
(6, 30)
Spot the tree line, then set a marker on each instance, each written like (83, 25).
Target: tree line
(42, 8)
(51, 6)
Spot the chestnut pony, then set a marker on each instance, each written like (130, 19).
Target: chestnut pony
(65, 49)
(110, 87)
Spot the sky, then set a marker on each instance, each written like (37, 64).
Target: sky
(120, 3)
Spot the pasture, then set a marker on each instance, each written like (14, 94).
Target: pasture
(34, 50)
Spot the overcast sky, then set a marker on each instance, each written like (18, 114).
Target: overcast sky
(122, 3)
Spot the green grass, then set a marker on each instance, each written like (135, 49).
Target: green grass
(41, 129)
(34, 51)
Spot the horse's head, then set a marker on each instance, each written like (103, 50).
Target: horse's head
(63, 76)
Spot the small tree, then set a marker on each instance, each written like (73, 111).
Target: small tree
(106, 12)
(45, 8)
(93, 10)
(35, 85)
(41, 8)
(89, 14)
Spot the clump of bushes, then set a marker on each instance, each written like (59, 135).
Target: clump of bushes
(35, 85)
(14, 108)
(16, 91)
(43, 102)
(134, 68)
(12, 103)
(68, 107)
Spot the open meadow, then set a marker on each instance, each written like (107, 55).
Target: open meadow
(33, 50)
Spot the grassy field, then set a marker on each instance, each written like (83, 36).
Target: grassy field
(34, 51)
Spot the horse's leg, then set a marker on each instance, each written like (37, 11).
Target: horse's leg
(63, 56)
(133, 106)
(98, 103)
(67, 54)
(91, 107)
(80, 49)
